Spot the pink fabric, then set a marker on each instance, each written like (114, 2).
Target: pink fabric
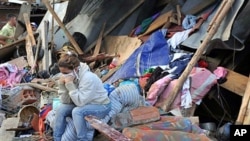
(201, 82)
(10, 75)
(220, 72)
(165, 95)
(157, 88)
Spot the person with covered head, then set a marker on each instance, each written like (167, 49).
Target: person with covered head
(82, 94)
(9, 29)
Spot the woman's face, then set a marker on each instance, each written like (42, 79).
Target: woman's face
(64, 70)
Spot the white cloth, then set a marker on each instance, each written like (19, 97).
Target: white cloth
(178, 38)
(186, 99)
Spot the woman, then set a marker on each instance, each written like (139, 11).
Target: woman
(82, 93)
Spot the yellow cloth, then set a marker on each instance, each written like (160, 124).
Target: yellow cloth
(9, 31)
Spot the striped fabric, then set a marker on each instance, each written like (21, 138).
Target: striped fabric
(70, 132)
(123, 98)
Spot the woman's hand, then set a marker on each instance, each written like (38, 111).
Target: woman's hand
(69, 78)
(61, 80)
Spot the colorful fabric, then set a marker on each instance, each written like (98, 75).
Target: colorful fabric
(169, 128)
(162, 135)
(156, 89)
(145, 24)
(10, 75)
(201, 82)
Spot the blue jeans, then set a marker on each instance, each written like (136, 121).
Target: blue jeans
(62, 111)
(78, 114)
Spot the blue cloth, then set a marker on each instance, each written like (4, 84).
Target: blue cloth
(189, 21)
(154, 52)
(178, 63)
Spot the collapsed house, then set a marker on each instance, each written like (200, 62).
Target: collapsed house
(183, 55)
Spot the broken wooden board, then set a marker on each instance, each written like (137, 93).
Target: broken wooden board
(9, 123)
(20, 29)
(157, 23)
(20, 62)
(105, 129)
(109, 74)
(235, 83)
(29, 51)
(122, 45)
(7, 49)
(244, 105)
(44, 38)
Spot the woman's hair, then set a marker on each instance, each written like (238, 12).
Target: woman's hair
(69, 60)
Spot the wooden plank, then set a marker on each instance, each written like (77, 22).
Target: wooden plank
(99, 41)
(235, 83)
(8, 123)
(98, 44)
(109, 74)
(20, 62)
(160, 21)
(247, 114)
(29, 51)
(20, 29)
(26, 17)
(105, 129)
(244, 104)
(38, 86)
(44, 37)
(122, 45)
(69, 36)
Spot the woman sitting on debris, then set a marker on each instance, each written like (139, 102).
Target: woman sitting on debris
(82, 93)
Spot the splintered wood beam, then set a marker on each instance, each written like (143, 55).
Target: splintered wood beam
(69, 36)
(29, 51)
(244, 105)
(106, 130)
(29, 29)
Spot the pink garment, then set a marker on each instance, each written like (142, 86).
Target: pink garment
(10, 75)
(220, 72)
(157, 88)
(165, 95)
(201, 82)
(4, 74)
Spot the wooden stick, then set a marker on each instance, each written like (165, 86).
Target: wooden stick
(69, 36)
(220, 16)
(244, 105)
(29, 51)
(36, 55)
(178, 14)
(29, 29)
(38, 86)
(98, 45)
(106, 130)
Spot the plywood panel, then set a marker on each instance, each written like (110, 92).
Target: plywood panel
(122, 45)
(235, 83)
